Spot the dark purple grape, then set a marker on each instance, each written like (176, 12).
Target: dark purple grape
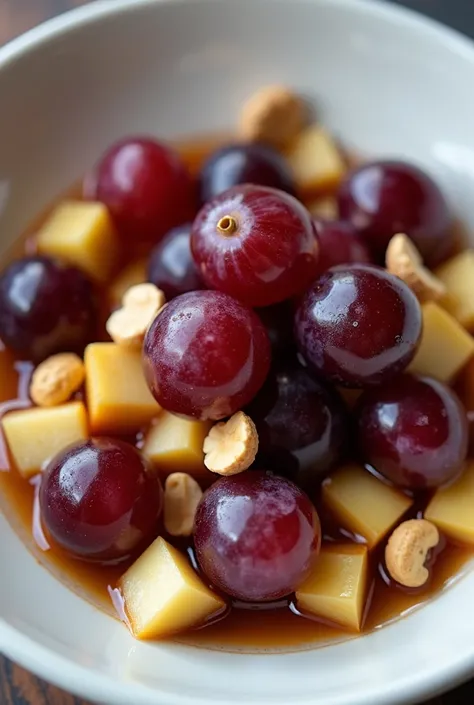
(244, 163)
(256, 244)
(384, 198)
(414, 431)
(146, 188)
(302, 424)
(358, 325)
(171, 266)
(257, 536)
(206, 355)
(46, 306)
(100, 499)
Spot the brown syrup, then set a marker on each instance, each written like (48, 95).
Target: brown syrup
(248, 627)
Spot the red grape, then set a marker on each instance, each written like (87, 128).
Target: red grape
(414, 431)
(384, 198)
(339, 243)
(171, 266)
(302, 425)
(46, 306)
(244, 163)
(358, 325)
(146, 188)
(256, 244)
(99, 499)
(256, 536)
(206, 355)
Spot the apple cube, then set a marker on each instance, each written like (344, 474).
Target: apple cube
(445, 346)
(174, 444)
(36, 435)
(81, 233)
(316, 161)
(135, 273)
(452, 508)
(364, 504)
(118, 397)
(163, 594)
(337, 586)
(458, 276)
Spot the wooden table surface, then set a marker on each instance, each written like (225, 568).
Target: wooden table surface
(18, 687)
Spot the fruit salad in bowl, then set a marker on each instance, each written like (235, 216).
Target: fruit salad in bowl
(237, 356)
(232, 405)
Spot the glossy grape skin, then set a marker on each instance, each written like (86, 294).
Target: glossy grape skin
(146, 188)
(171, 266)
(244, 163)
(257, 536)
(206, 355)
(46, 306)
(302, 424)
(414, 431)
(99, 499)
(384, 198)
(256, 244)
(358, 325)
(339, 243)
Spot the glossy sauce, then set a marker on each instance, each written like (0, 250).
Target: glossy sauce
(248, 627)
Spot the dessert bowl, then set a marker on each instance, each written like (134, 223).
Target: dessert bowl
(384, 80)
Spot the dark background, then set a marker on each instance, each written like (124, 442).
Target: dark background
(17, 687)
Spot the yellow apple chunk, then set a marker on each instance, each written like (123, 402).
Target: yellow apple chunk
(316, 161)
(445, 346)
(174, 444)
(364, 504)
(164, 595)
(337, 586)
(452, 509)
(36, 435)
(81, 233)
(118, 397)
(458, 276)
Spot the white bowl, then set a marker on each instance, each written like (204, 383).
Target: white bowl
(389, 83)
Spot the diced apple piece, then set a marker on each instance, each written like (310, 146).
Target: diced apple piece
(81, 233)
(452, 508)
(337, 586)
(174, 444)
(164, 595)
(316, 161)
(364, 504)
(445, 346)
(36, 435)
(133, 274)
(324, 207)
(458, 276)
(118, 397)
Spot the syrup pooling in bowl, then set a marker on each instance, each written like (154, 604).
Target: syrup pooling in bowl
(330, 466)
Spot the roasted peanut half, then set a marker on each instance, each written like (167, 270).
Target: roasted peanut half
(231, 446)
(181, 498)
(140, 305)
(274, 115)
(407, 550)
(56, 379)
(403, 259)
